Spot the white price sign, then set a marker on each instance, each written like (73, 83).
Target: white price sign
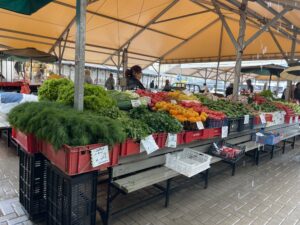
(149, 145)
(246, 119)
(200, 125)
(171, 141)
(173, 101)
(99, 156)
(291, 120)
(224, 132)
(297, 119)
(263, 118)
(135, 103)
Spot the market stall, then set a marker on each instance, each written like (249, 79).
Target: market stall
(120, 130)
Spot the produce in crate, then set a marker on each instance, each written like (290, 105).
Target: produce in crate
(180, 113)
(155, 97)
(59, 124)
(157, 121)
(267, 106)
(180, 96)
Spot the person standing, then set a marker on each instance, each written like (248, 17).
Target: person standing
(110, 82)
(167, 86)
(229, 90)
(297, 92)
(134, 77)
(152, 84)
(249, 86)
(87, 77)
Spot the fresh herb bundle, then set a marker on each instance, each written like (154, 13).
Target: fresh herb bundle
(59, 124)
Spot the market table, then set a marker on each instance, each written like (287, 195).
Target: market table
(5, 127)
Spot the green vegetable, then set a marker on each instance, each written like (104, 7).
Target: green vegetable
(59, 124)
(267, 94)
(50, 89)
(157, 121)
(265, 107)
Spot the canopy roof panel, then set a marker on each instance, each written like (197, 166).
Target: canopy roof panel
(172, 31)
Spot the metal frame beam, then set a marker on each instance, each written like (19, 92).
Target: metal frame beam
(293, 47)
(266, 26)
(120, 20)
(181, 17)
(278, 45)
(161, 13)
(185, 41)
(227, 28)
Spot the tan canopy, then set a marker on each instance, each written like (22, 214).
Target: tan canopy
(173, 31)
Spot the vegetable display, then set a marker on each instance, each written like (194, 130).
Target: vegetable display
(50, 89)
(157, 121)
(59, 124)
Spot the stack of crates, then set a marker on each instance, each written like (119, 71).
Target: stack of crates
(32, 184)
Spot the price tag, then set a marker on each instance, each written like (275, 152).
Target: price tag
(262, 118)
(149, 145)
(135, 103)
(171, 141)
(291, 120)
(173, 101)
(187, 92)
(200, 125)
(224, 132)
(297, 119)
(99, 156)
(246, 119)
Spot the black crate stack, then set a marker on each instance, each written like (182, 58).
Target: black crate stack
(71, 200)
(32, 184)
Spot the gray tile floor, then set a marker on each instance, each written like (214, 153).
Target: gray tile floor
(268, 194)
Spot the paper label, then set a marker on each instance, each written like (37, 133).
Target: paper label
(224, 132)
(135, 103)
(171, 141)
(99, 156)
(200, 125)
(297, 119)
(291, 120)
(149, 145)
(246, 119)
(173, 101)
(262, 118)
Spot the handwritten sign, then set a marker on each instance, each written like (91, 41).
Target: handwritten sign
(135, 103)
(262, 118)
(200, 125)
(149, 145)
(224, 132)
(246, 119)
(99, 156)
(171, 140)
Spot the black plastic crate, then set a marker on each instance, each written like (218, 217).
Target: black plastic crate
(71, 200)
(213, 151)
(212, 123)
(32, 184)
(234, 124)
(249, 126)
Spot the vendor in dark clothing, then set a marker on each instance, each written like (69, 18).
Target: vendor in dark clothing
(229, 90)
(297, 92)
(133, 78)
(249, 86)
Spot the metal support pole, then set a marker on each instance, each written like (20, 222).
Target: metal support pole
(97, 76)
(59, 58)
(240, 49)
(125, 61)
(80, 53)
(219, 56)
(159, 64)
(30, 70)
(225, 80)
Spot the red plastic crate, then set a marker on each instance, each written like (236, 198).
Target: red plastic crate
(214, 132)
(130, 147)
(77, 160)
(161, 139)
(287, 119)
(180, 138)
(191, 136)
(269, 117)
(257, 121)
(28, 142)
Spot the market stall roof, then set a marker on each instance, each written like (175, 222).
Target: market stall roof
(291, 73)
(172, 31)
(28, 53)
(267, 70)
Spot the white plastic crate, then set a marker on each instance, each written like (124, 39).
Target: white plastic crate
(188, 162)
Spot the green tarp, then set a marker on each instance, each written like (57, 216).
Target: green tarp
(28, 53)
(23, 6)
